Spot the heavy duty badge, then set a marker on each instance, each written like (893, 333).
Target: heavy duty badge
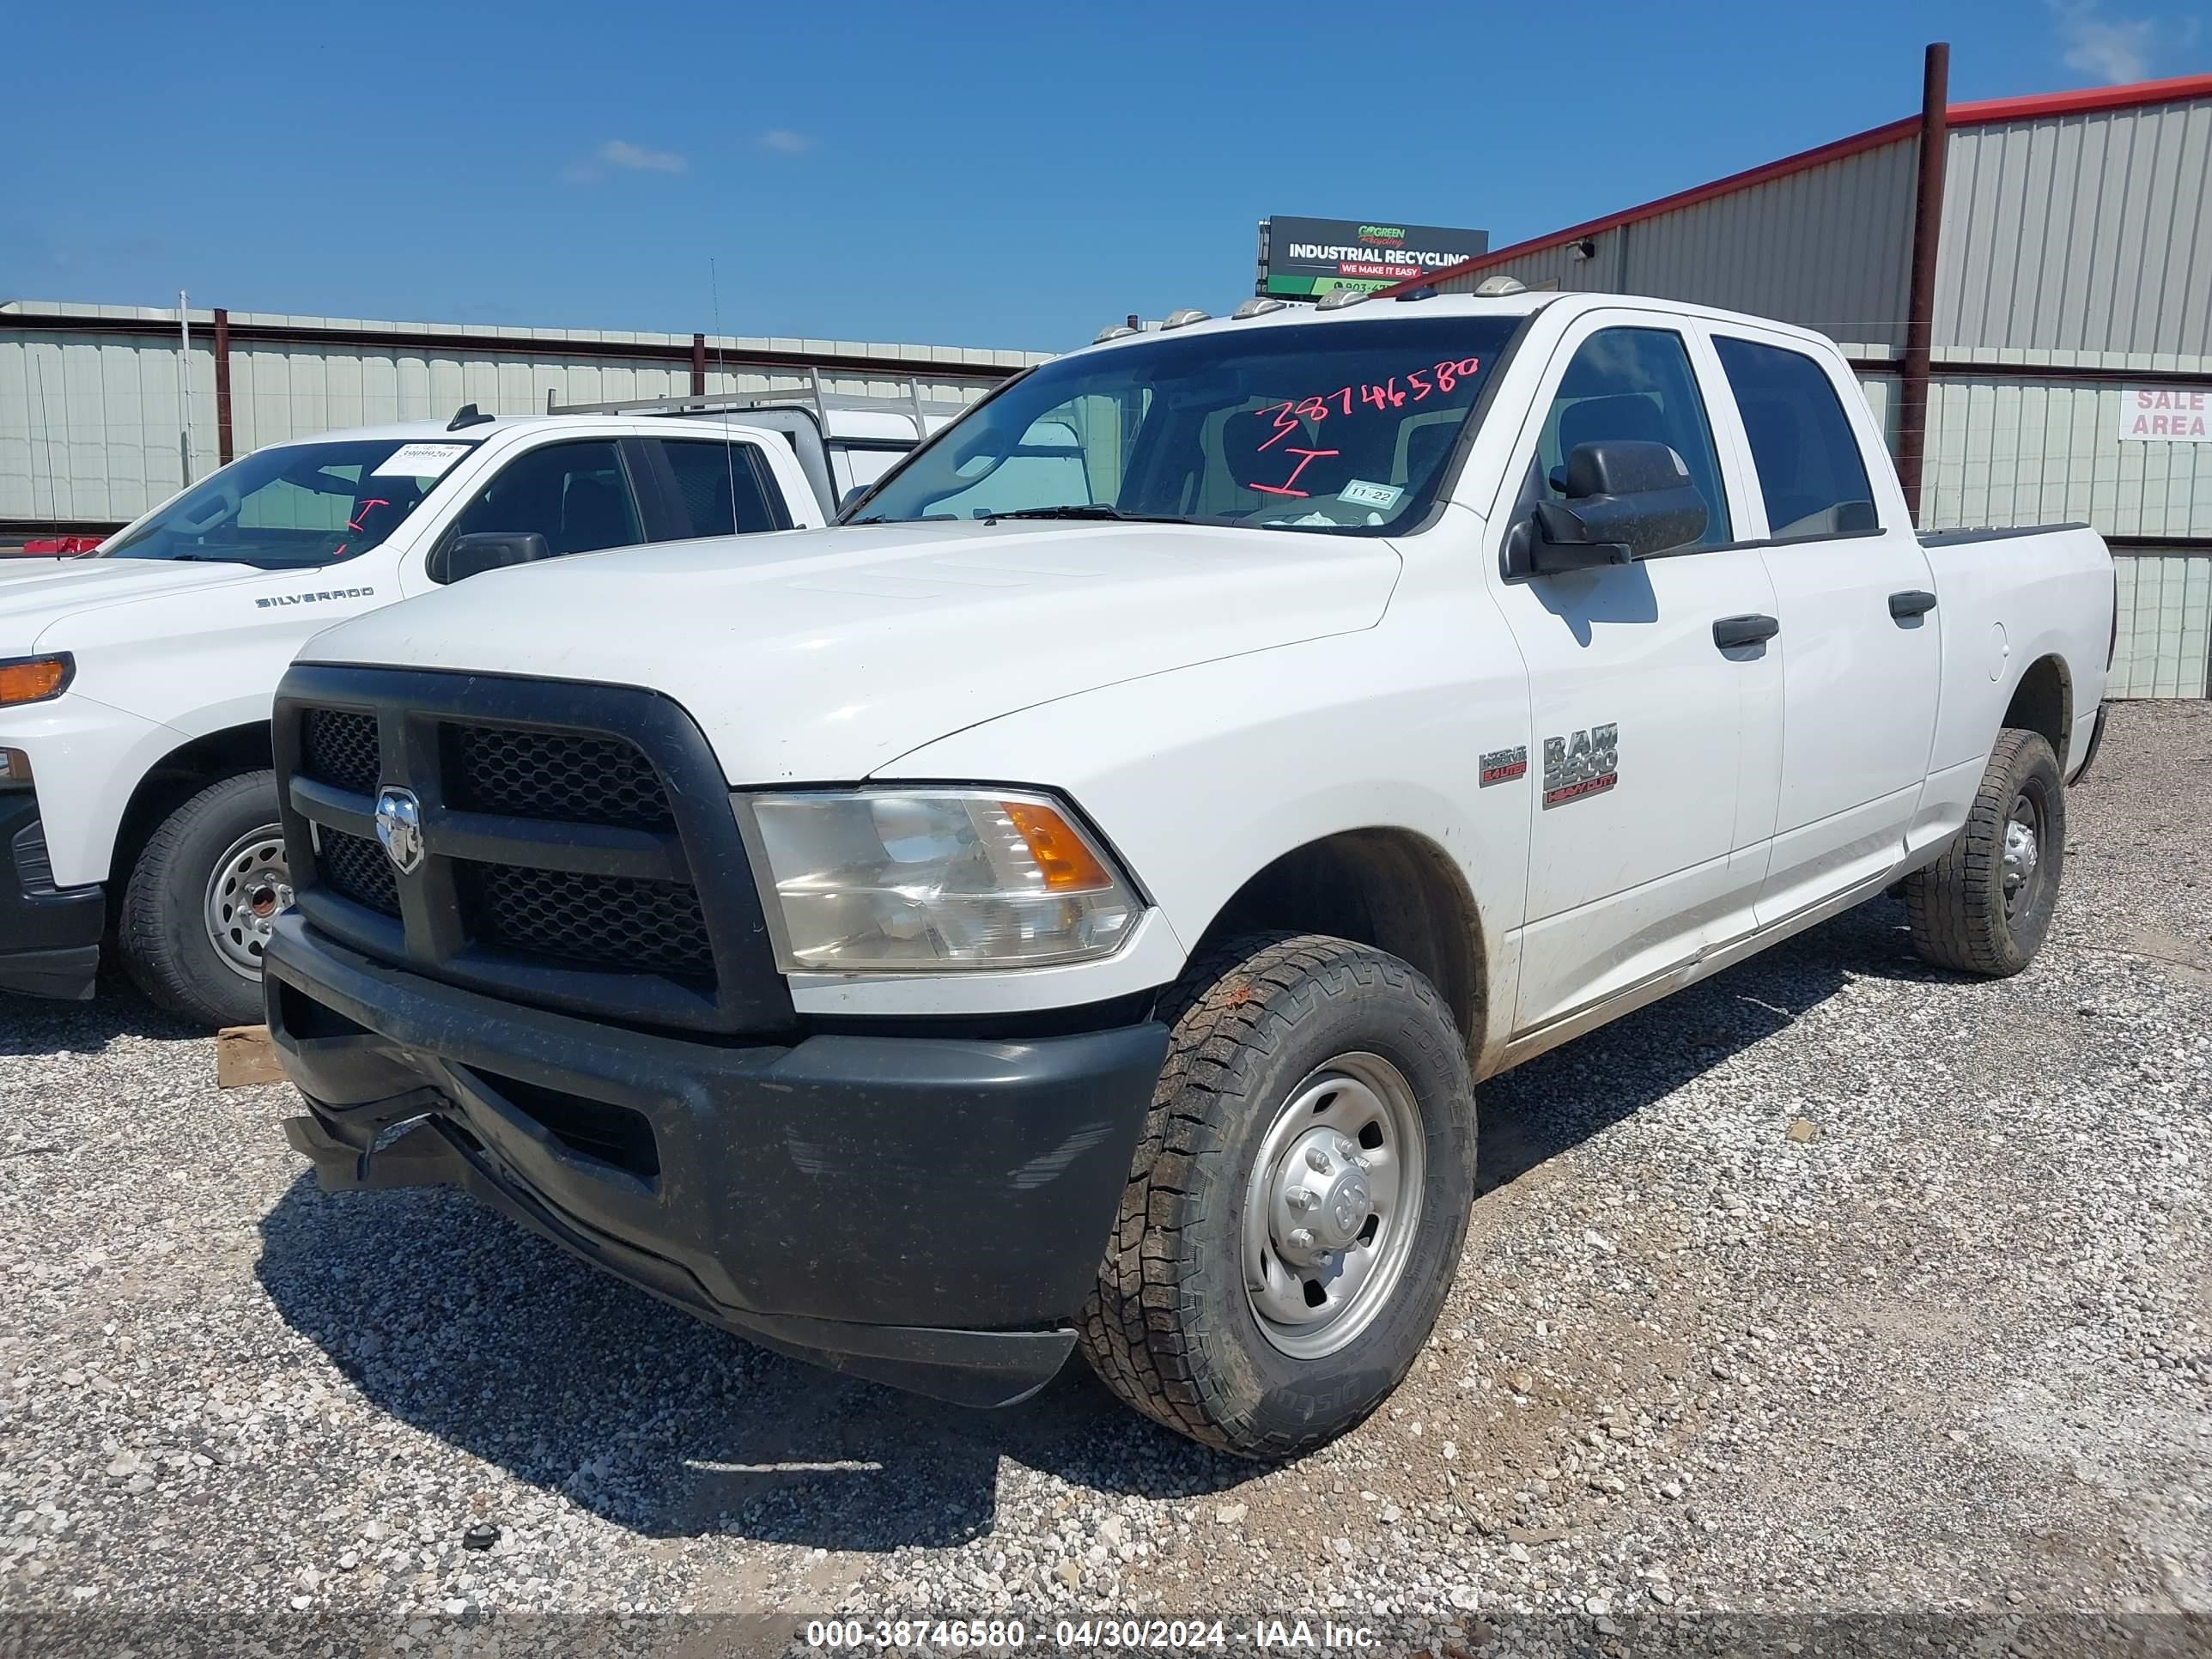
(1581, 763)
(1504, 765)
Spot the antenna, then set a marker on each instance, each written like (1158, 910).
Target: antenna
(722, 364)
(184, 383)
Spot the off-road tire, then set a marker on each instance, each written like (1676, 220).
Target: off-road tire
(1169, 1325)
(1956, 906)
(162, 931)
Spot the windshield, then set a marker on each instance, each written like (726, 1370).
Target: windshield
(1342, 427)
(296, 507)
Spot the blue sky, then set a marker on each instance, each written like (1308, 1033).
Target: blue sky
(988, 174)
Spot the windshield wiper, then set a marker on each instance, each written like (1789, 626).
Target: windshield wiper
(1092, 510)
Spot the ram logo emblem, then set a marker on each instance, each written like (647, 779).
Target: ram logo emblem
(399, 828)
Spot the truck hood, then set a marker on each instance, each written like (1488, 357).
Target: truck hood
(34, 593)
(822, 655)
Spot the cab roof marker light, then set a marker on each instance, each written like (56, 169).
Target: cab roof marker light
(1115, 332)
(1497, 288)
(1337, 299)
(1188, 315)
(1426, 291)
(1258, 306)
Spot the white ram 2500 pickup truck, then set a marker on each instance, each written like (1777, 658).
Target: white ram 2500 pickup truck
(136, 683)
(1072, 903)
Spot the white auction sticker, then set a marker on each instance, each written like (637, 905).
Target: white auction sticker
(1360, 493)
(421, 460)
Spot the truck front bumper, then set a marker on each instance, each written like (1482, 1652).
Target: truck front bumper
(49, 935)
(925, 1211)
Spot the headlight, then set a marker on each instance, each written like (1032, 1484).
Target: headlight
(887, 879)
(34, 679)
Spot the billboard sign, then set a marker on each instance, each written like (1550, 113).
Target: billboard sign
(1305, 258)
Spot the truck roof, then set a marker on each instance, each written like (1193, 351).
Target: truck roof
(439, 432)
(1459, 305)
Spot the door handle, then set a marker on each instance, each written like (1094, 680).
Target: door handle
(1913, 602)
(1732, 631)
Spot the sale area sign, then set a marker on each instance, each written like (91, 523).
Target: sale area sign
(2166, 414)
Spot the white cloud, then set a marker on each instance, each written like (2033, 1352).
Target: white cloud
(620, 153)
(784, 141)
(2111, 50)
(617, 153)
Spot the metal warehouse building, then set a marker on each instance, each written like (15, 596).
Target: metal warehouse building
(95, 401)
(2026, 285)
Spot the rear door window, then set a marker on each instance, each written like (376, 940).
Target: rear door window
(577, 495)
(1808, 458)
(721, 490)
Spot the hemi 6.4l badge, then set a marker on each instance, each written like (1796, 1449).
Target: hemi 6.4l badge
(1504, 765)
(1581, 763)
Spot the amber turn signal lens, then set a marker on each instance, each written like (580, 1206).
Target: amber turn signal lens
(1069, 866)
(33, 679)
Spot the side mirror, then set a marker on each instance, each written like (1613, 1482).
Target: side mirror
(1627, 499)
(845, 503)
(486, 550)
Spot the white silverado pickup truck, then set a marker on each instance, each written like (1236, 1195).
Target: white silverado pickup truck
(136, 795)
(1072, 903)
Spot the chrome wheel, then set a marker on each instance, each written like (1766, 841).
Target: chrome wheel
(1333, 1204)
(251, 882)
(2023, 850)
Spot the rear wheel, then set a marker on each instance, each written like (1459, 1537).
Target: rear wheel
(1297, 1201)
(201, 899)
(1984, 906)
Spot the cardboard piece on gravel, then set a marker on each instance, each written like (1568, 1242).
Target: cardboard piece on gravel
(244, 1056)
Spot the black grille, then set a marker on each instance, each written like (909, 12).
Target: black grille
(665, 932)
(358, 868)
(340, 749)
(563, 776)
(616, 921)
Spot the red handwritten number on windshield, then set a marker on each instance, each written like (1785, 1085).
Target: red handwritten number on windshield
(1286, 423)
(1291, 416)
(1439, 377)
(1306, 458)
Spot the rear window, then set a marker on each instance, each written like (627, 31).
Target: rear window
(1810, 470)
(719, 490)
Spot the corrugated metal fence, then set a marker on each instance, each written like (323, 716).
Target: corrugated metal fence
(89, 424)
(2016, 445)
(91, 419)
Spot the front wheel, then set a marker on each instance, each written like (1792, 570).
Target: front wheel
(1984, 906)
(201, 900)
(1297, 1201)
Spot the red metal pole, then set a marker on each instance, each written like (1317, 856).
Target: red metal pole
(1920, 302)
(223, 449)
(698, 365)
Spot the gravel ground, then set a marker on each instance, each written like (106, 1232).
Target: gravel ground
(1833, 1285)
